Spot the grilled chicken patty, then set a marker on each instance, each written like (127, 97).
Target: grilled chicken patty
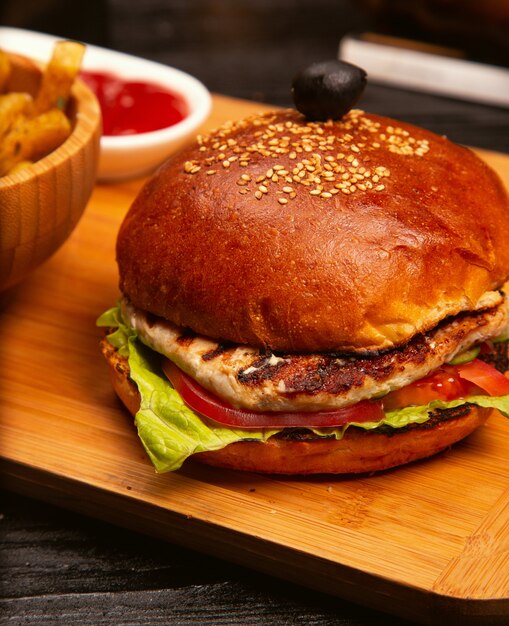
(260, 380)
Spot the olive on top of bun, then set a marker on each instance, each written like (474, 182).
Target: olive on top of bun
(308, 296)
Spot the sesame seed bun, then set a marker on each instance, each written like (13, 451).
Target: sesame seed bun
(351, 235)
(359, 451)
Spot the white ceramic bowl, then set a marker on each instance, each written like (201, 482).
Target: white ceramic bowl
(129, 155)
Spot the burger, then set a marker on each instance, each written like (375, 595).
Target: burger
(305, 296)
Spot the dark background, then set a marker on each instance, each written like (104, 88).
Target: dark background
(58, 567)
(252, 48)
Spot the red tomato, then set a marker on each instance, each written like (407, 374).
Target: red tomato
(202, 401)
(450, 382)
(484, 376)
(444, 384)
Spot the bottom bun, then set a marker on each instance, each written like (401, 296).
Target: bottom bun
(300, 452)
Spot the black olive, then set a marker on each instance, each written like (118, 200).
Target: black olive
(328, 89)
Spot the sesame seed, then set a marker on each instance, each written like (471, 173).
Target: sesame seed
(258, 195)
(282, 200)
(263, 188)
(316, 149)
(210, 172)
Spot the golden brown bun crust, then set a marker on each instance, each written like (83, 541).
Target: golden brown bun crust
(358, 452)
(412, 228)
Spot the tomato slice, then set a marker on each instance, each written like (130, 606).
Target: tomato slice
(444, 384)
(484, 376)
(207, 404)
(450, 382)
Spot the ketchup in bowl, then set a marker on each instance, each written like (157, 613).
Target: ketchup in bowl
(134, 107)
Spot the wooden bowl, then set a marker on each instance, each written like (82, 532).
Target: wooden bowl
(40, 206)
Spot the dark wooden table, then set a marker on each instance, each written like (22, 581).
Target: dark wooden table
(61, 568)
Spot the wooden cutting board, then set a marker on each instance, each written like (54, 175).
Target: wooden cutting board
(429, 541)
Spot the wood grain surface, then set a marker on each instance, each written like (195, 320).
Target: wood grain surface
(427, 540)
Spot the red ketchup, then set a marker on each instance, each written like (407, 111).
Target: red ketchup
(134, 107)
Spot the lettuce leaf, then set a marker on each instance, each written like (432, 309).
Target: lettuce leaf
(119, 338)
(168, 429)
(171, 432)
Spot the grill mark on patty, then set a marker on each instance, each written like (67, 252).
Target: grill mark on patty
(336, 374)
(186, 337)
(258, 380)
(221, 349)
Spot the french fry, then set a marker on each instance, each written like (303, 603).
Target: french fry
(5, 70)
(32, 138)
(31, 128)
(59, 76)
(12, 105)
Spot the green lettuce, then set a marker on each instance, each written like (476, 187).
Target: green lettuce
(119, 337)
(171, 432)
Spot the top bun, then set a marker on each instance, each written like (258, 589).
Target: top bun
(316, 236)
